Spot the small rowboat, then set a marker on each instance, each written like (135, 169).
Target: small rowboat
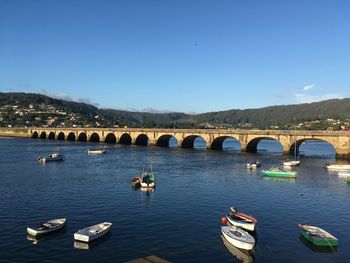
(92, 232)
(291, 163)
(253, 165)
(344, 174)
(243, 215)
(96, 151)
(47, 227)
(318, 236)
(148, 180)
(136, 182)
(278, 172)
(53, 157)
(238, 237)
(337, 167)
(241, 221)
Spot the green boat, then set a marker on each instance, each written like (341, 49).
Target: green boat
(317, 236)
(348, 180)
(279, 172)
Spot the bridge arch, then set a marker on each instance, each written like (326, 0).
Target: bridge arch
(82, 137)
(189, 141)
(142, 139)
(71, 136)
(165, 139)
(125, 138)
(110, 138)
(218, 142)
(61, 136)
(52, 136)
(252, 145)
(313, 147)
(35, 135)
(43, 135)
(94, 137)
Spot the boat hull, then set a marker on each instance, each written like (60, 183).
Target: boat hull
(237, 243)
(291, 163)
(42, 231)
(279, 174)
(319, 241)
(340, 167)
(83, 236)
(250, 226)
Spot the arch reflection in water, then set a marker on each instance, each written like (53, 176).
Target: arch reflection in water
(241, 255)
(93, 244)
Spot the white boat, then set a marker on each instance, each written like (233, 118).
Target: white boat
(337, 167)
(96, 151)
(242, 255)
(253, 165)
(344, 174)
(47, 227)
(291, 163)
(147, 179)
(53, 157)
(238, 237)
(241, 221)
(92, 232)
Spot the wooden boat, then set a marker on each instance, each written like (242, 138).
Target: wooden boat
(343, 174)
(291, 163)
(238, 237)
(318, 236)
(92, 232)
(53, 157)
(253, 164)
(337, 167)
(241, 221)
(278, 172)
(96, 151)
(136, 182)
(47, 227)
(147, 180)
(243, 215)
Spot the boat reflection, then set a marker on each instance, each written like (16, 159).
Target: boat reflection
(314, 248)
(91, 245)
(37, 239)
(242, 255)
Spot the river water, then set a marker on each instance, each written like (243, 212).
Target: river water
(180, 220)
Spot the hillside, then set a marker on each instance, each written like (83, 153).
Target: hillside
(26, 109)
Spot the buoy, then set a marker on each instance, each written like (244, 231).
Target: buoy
(223, 220)
(301, 194)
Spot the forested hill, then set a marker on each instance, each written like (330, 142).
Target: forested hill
(26, 109)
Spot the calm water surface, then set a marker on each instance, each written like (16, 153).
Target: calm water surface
(180, 220)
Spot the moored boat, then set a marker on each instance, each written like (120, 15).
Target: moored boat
(243, 215)
(136, 182)
(53, 157)
(241, 221)
(96, 151)
(253, 164)
(291, 163)
(92, 232)
(148, 180)
(337, 167)
(47, 227)
(238, 237)
(243, 256)
(318, 236)
(278, 172)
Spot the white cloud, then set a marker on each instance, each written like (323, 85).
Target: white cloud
(308, 87)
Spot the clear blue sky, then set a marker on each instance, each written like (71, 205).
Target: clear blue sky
(179, 55)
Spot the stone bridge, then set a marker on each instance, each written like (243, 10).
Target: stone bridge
(214, 138)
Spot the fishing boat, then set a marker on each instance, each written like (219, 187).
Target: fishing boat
(96, 151)
(136, 182)
(92, 232)
(318, 236)
(343, 174)
(278, 172)
(337, 167)
(53, 157)
(238, 237)
(241, 221)
(253, 164)
(147, 179)
(243, 215)
(47, 227)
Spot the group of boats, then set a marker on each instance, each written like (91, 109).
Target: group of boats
(57, 157)
(83, 235)
(239, 230)
(146, 180)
